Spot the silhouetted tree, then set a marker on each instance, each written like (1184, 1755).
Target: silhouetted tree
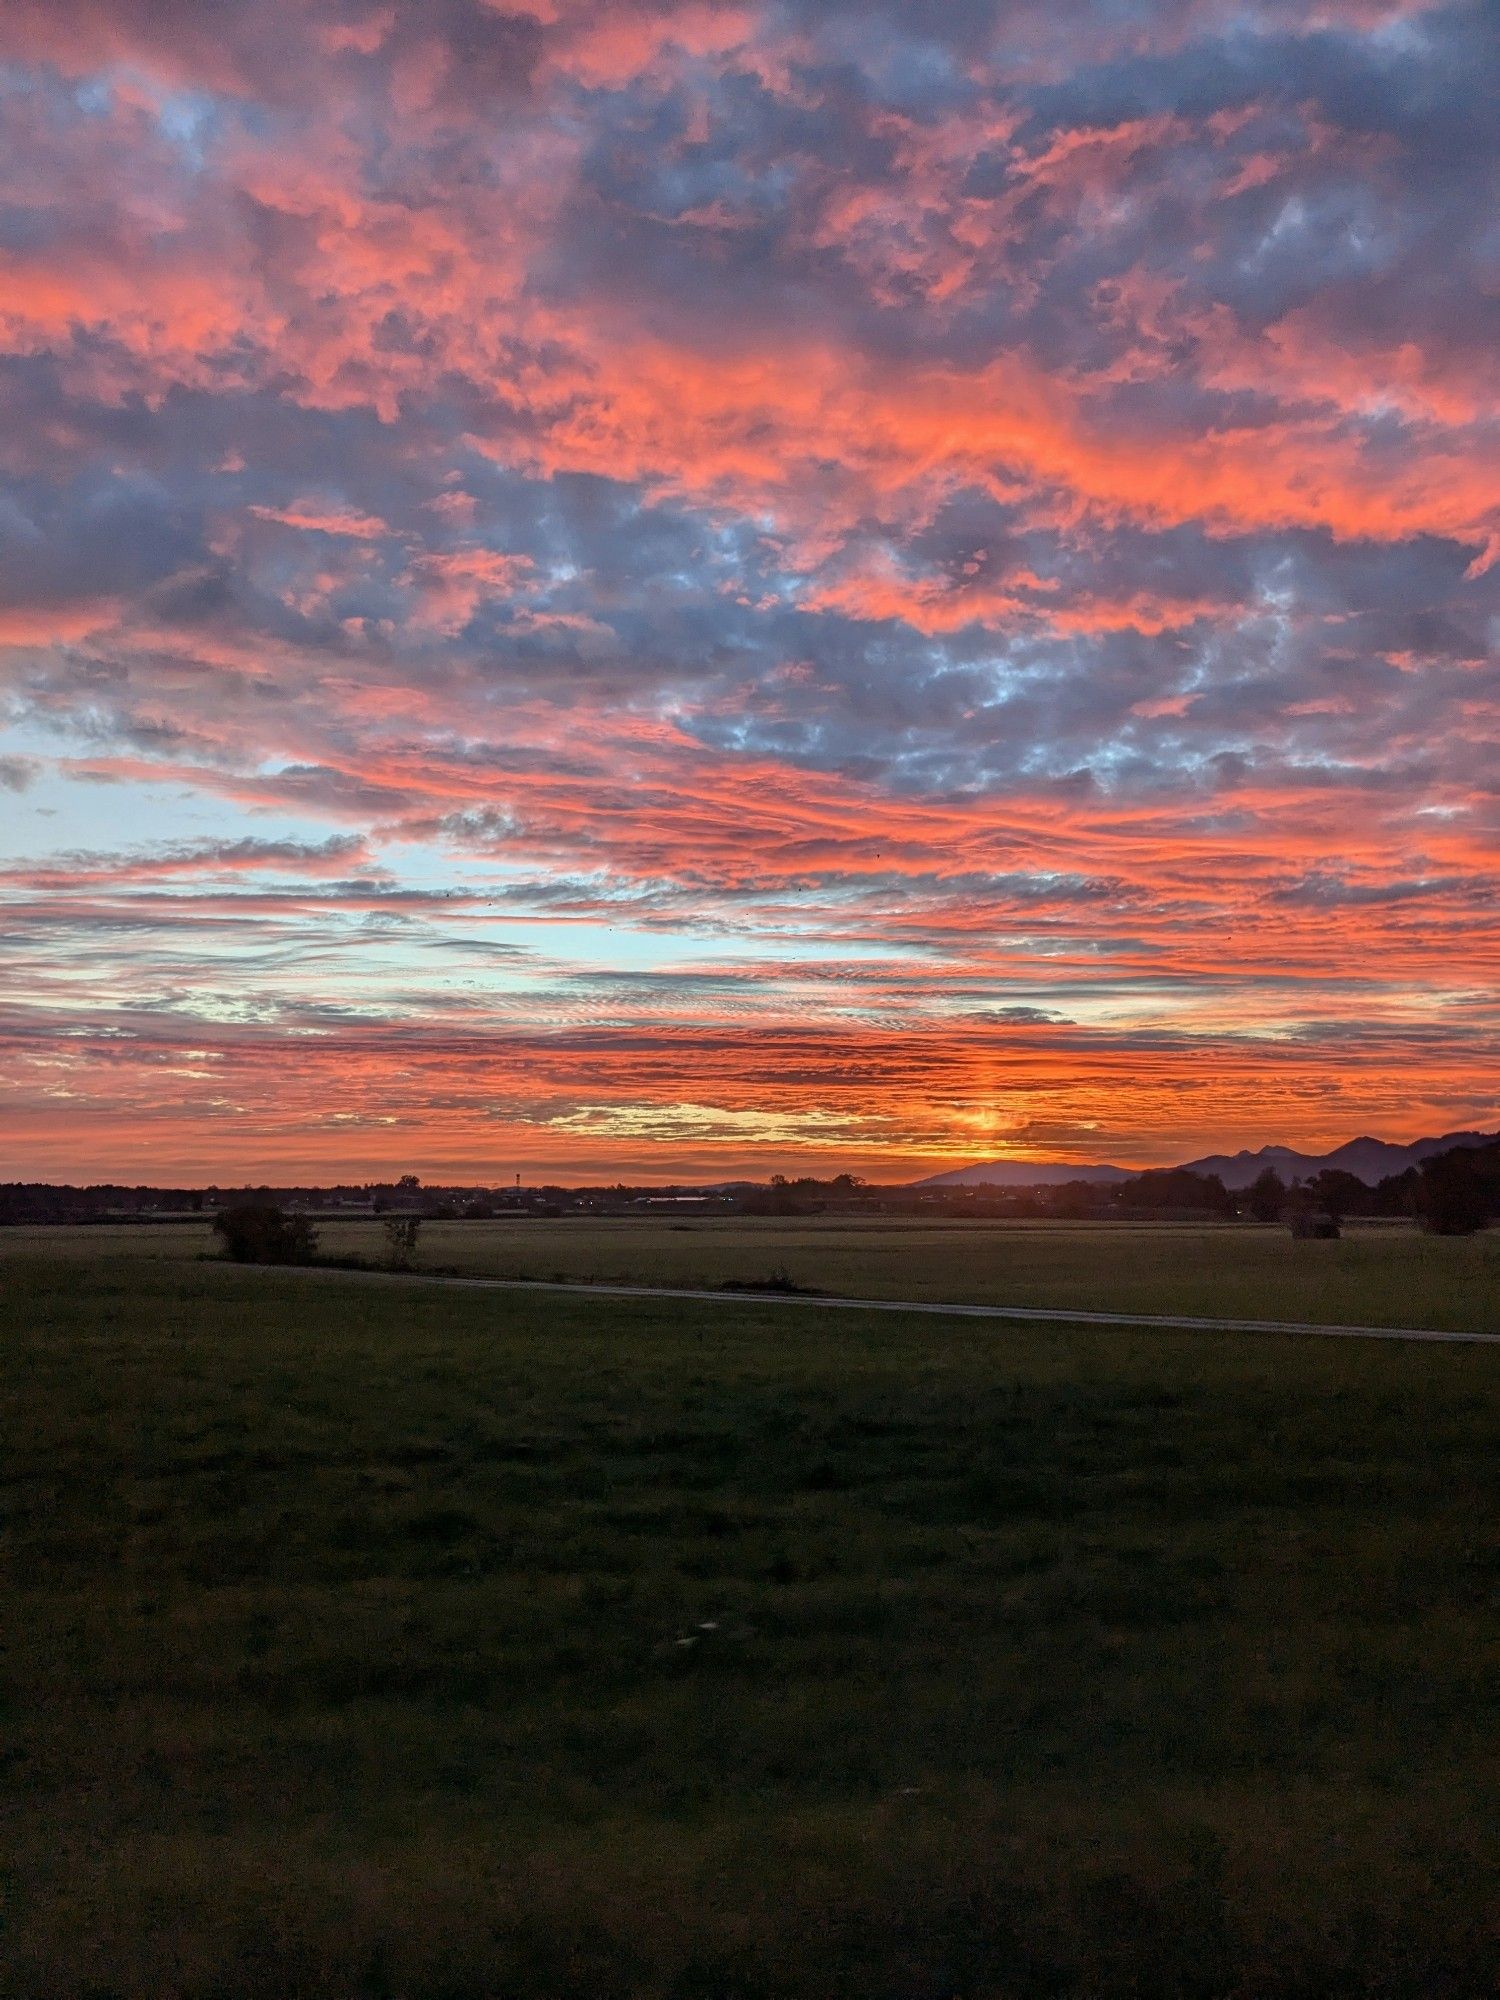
(1268, 1196)
(1454, 1194)
(401, 1233)
(258, 1232)
(1170, 1187)
(1339, 1194)
(1305, 1216)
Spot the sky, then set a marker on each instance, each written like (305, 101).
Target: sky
(665, 590)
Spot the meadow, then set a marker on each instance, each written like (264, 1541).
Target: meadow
(1376, 1275)
(401, 1641)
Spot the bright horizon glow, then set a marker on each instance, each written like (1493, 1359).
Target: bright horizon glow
(693, 590)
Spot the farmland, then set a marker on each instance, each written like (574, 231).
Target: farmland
(378, 1641)
(1376, 1275)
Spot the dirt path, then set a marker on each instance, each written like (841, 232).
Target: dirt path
(1046, 1315)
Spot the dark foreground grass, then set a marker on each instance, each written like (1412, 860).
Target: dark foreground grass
(425, 1644)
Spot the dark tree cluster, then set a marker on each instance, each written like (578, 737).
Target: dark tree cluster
(1177, 1188)
(1457, 1193)
(1454, 1193)
(258, 1232)
(804, 1196)
(42, 1202)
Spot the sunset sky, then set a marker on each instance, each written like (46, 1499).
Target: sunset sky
(659, 590)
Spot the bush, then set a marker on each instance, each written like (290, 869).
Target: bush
(258, 1232)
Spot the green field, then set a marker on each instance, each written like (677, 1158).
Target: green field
(406, 1642)
(1375, 1276)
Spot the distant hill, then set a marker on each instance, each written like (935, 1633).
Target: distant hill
(1025, 1173)
(1369, 1160)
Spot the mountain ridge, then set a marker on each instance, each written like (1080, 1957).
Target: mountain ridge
(1369, 1160)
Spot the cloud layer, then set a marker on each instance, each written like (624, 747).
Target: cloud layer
(663, 588)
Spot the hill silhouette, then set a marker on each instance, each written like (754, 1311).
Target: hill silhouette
(1369, 1160)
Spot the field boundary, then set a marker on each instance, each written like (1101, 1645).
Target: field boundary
(1044, 1315)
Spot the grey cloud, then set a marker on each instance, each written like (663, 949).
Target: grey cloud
(17, 774)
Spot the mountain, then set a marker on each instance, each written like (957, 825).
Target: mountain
(1025, 1173)
(1369, 1160)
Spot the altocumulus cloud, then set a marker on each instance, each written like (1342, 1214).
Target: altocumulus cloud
(547, 548)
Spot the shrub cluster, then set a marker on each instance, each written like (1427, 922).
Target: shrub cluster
(258, 1232)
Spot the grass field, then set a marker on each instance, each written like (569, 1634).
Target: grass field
(1377, 1276)
(404, 1642)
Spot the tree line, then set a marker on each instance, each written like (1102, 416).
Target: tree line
(1453, 1193)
